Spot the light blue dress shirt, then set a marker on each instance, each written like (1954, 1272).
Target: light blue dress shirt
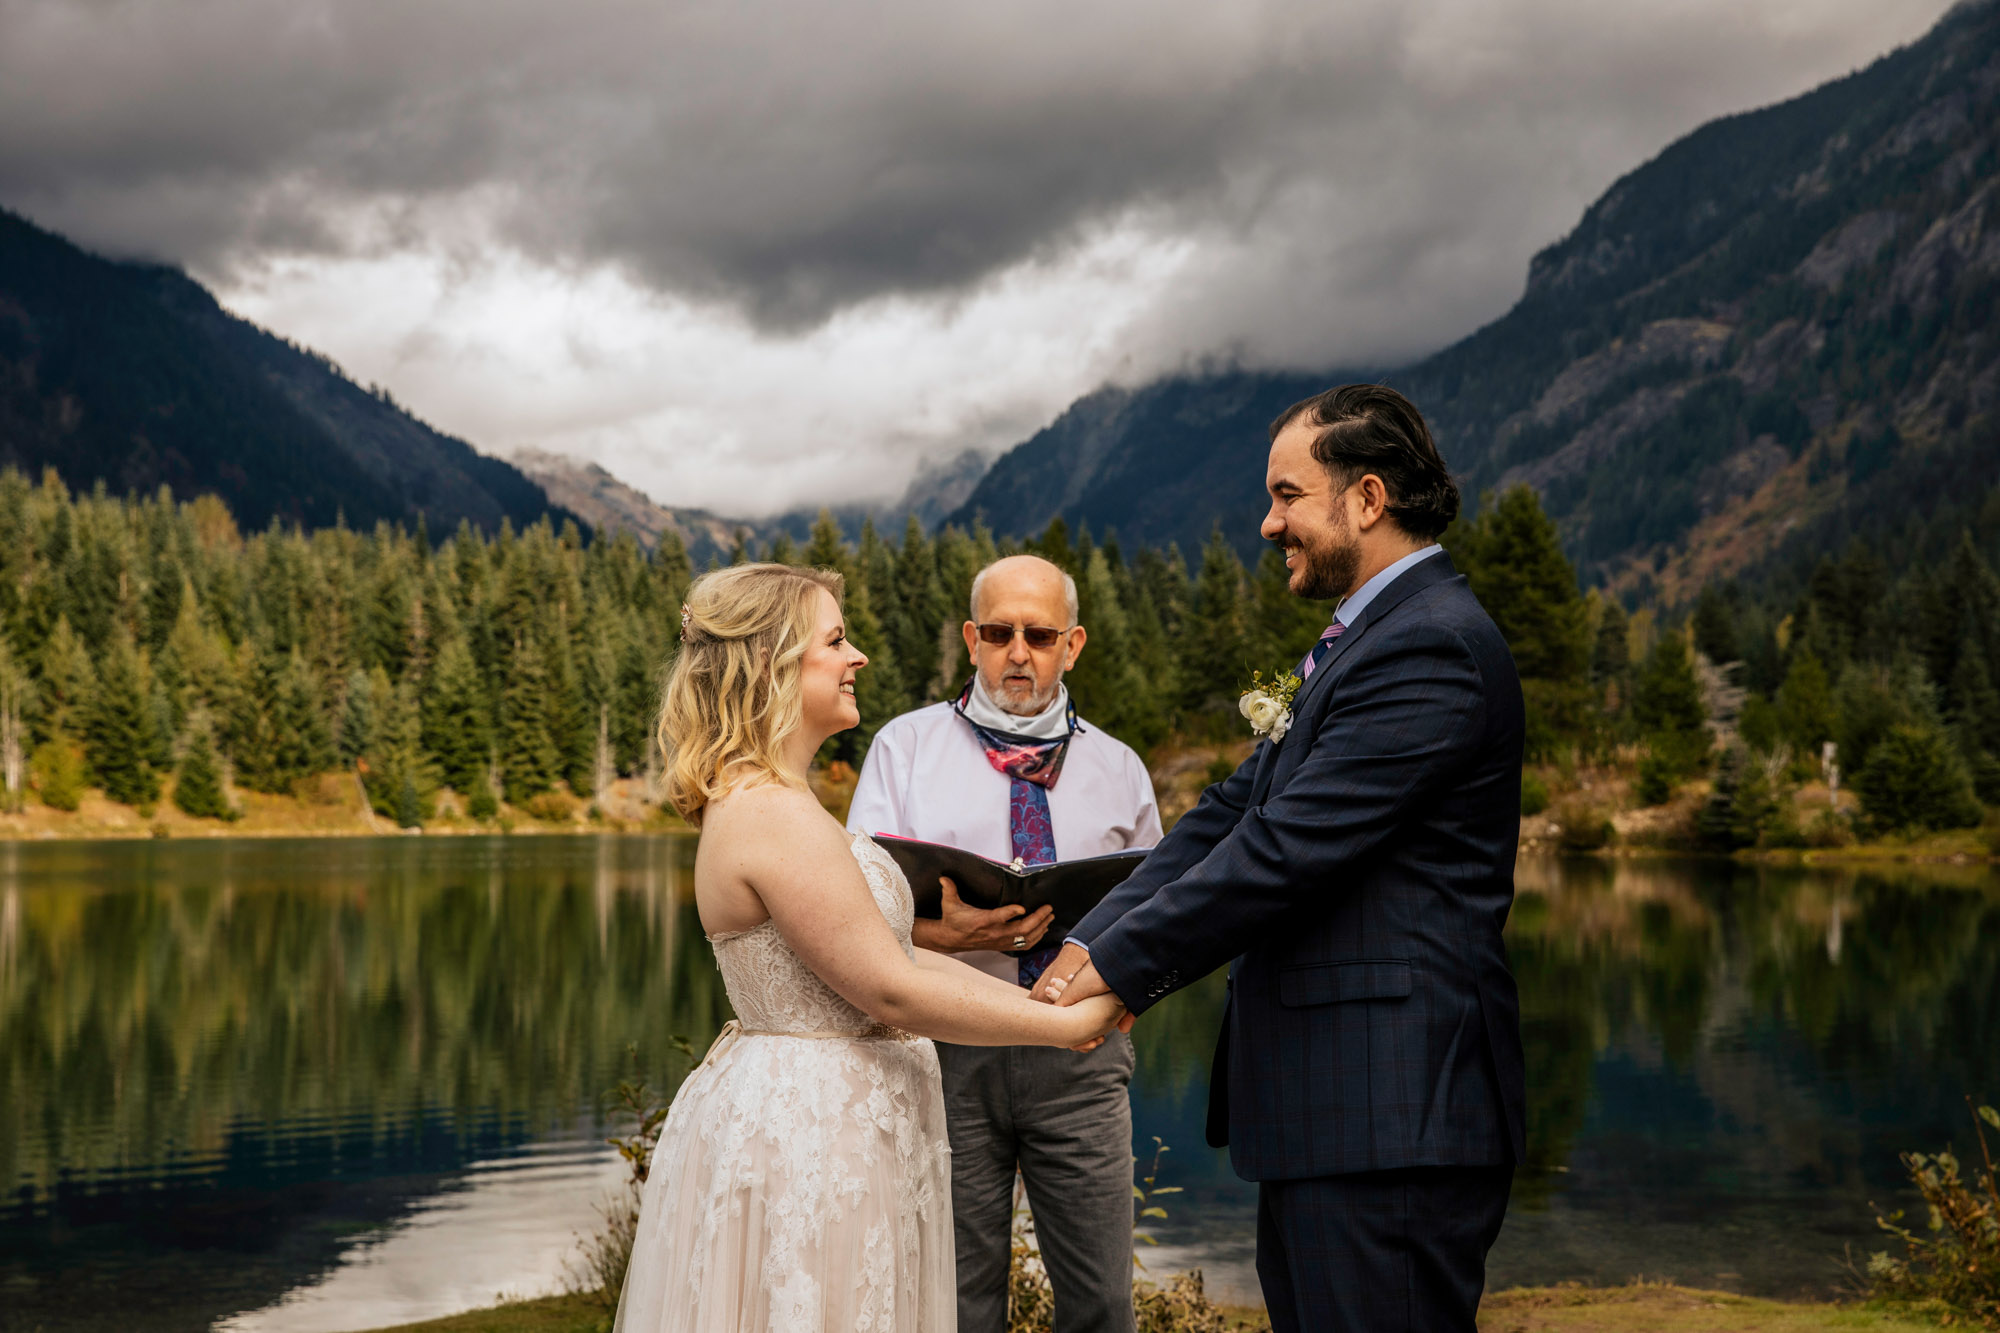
(1351, 607)
(1348, 612)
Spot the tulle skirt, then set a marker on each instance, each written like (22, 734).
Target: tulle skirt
(801, 1184)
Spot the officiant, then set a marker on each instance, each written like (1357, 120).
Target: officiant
(1009, 770)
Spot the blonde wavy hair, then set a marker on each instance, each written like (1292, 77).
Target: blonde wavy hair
(734, 692)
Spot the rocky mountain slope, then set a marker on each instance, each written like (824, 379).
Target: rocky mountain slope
(609, 504)
(1776, 334)
(133, 375)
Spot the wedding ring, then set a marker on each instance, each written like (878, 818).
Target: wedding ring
(1020, 941)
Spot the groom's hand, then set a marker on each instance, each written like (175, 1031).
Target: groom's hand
(1080, 985)
(1058, 974)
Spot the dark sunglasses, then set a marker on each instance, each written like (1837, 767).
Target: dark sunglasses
(1038, 636)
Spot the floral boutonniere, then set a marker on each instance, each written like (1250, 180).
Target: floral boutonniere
(1269, 706)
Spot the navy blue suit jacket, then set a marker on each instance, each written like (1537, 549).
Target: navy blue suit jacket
(1359, 871)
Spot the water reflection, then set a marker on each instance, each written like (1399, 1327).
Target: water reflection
(334, 1084)
(221, 1064)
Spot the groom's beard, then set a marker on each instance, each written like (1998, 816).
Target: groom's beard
(1326, 573)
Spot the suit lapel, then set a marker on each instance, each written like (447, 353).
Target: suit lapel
(1424, 574)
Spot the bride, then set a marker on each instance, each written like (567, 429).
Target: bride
(801, 1181)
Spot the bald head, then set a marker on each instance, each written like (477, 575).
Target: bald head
(1027, 576)
(1010, 599)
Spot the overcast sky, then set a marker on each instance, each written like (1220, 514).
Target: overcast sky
(749, 256)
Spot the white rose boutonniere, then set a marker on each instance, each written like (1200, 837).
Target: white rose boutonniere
(1268, 706)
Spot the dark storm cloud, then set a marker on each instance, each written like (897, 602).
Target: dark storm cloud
(795, 158)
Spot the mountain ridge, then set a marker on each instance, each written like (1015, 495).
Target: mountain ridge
(1704, 376)
(133, 375)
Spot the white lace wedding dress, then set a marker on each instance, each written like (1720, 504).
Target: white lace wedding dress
(802, 1181)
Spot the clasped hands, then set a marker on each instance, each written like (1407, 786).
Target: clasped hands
(1073, 978)
(961, 927)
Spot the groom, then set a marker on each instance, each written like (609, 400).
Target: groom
(1359, 870)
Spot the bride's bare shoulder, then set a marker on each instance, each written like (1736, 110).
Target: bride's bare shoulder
(768, 811)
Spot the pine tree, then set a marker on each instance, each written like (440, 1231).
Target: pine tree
(1610, 654)
(1667, 705)
(68, 679)
(826, 550)
(1517, 569)
(878, 689)
(1975, 720)
(357, 717)
(117, 731)
(1216, 656)
(399, 780)
(303, 744)
(529, 758)
(198, 788)
(920, 611)
(1106, 682)
(59, 772)
(1738, 806)
(1805, 705)
(17, 698)
(1714, 624)
(1914, 780)
(457, 721)
(636, 705)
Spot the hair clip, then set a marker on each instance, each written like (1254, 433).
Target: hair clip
(685, 618)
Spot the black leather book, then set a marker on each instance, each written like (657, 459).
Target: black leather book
(1072, 887)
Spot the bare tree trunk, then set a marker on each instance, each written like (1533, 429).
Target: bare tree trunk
(604, 774)
(10, 747)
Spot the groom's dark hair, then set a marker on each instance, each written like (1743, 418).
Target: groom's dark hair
(1367, 428)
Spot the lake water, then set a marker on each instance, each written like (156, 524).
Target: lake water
(330, 1085)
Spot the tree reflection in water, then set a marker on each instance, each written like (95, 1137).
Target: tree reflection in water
(1723, 1061)
(219, 1063)
(222, 1064)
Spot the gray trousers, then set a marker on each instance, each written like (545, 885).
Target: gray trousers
(1066, 1121)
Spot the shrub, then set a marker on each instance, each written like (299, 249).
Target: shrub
(1179, 1306)
(1830, 829)
(1782, 829)
(1534, 795)
(553, 806)
(1219, 769)
(1584, 828)
(58, 770)
(1656, 781)
(480, 802)
(605, 1258)
(198, 788)
(1737, 809)
(1958, 1266)
(409, 809)
(1915, 780)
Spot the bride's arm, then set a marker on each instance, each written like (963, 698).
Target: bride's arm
(945, 965)
(796, 859)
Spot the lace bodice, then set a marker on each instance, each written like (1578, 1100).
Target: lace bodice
(772, 989)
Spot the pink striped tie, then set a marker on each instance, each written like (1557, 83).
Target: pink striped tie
(1319, 650)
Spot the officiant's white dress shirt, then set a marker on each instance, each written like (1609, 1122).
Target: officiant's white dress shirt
(927, 777)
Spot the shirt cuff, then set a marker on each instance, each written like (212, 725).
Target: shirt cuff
(1071, 939)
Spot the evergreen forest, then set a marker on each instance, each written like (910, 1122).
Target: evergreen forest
(150, 648)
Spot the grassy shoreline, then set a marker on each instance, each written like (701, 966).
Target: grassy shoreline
(1641, 1307)
(332, 806)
